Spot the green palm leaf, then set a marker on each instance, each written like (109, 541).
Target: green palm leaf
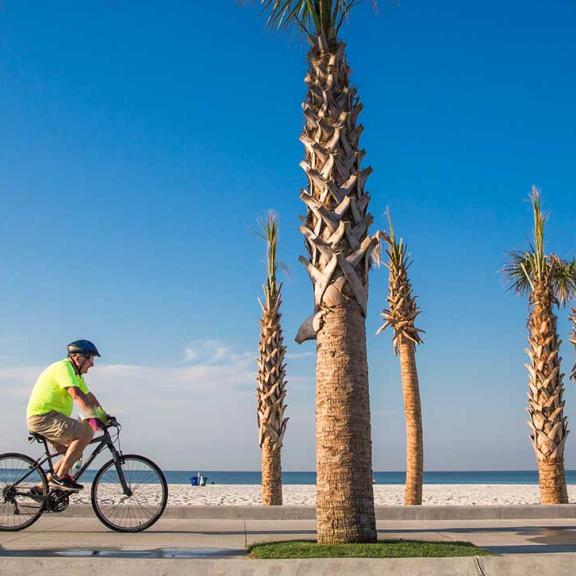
(533, 266)
(269, 233)
(564, 279)
(313, 17)
(519, 272)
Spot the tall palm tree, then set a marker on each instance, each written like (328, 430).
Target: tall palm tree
(336, 234)
(271, 379)
(401, 315)
(543, 278)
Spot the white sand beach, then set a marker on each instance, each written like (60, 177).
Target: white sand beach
(384, 495)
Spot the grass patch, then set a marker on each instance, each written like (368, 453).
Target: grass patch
(381, 549)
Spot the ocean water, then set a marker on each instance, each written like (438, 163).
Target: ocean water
(482, 477)
(472, 477)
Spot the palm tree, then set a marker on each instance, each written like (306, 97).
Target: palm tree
(336, 234)
(271, 380)
(401, 316)
(545, 279)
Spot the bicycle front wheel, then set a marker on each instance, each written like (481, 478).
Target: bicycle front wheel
(137, 508)
(23, 491)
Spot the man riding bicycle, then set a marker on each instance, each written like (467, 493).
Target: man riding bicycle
(50, 407)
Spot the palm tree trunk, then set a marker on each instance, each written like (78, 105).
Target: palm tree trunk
(413, 416)
(339, 248)
(345, 498)
(552, 482)
(271, 475)
(545, 397)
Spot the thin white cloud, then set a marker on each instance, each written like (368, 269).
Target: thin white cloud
(211, 352)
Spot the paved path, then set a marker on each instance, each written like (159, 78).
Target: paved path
(68, 545)
(382, 512)
(500, 536)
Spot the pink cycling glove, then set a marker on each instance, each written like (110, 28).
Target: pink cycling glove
(95, 424)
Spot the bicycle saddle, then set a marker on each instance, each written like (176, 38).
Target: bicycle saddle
(35, 436)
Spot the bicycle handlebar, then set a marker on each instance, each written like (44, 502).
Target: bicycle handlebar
(112, 422)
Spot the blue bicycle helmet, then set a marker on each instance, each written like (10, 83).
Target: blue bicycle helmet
(84, 347)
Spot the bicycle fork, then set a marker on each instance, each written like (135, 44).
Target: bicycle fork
(118, 461)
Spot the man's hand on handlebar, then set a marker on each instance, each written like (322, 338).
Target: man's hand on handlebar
(96, 425)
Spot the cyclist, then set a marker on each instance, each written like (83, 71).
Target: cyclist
(50, 406)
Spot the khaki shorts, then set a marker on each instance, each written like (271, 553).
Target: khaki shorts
(59, 429)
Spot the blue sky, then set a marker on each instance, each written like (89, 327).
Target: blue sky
(141, 141)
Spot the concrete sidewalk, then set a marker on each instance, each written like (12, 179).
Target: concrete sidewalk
(521, 565)
(382, 512)
(73, 544)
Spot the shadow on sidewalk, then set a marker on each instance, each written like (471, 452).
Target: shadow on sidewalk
(531, 549)
(536, 530)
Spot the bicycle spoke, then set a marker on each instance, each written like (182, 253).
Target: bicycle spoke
(147, 499)
(19, 507)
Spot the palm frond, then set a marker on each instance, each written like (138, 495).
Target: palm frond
(539, 221)
(518, 271)
(397, 249)
(526, 268)
(313, 17)
(563, 279)
(269, 233)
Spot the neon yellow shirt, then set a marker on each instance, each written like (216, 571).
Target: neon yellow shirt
(51, 390)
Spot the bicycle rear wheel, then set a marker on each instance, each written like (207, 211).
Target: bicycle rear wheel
(138, 510)
(20, 505)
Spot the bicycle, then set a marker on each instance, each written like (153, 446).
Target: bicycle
(129, 492)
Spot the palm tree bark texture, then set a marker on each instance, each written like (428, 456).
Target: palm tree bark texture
(414, 431)
(545, 391)
(271, 378)
(336, 232)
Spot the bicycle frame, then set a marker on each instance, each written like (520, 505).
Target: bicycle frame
(104, 441)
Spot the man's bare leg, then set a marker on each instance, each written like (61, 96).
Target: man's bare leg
(61, 450)
(73, 453)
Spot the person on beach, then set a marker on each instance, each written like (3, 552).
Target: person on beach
(50, 407)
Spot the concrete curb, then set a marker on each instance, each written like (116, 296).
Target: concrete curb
(382, 512)
(517, 565)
